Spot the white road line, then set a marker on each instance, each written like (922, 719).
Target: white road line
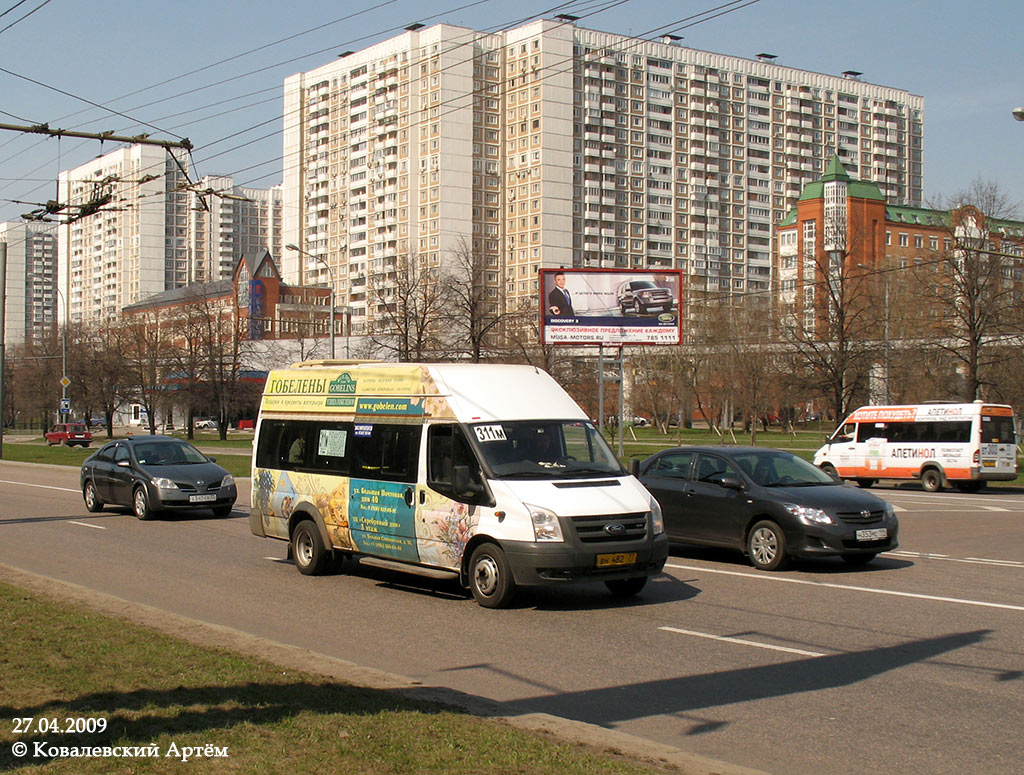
(967, 560)
(936, 598)
(993, 508)
(86, 524)
(744, 642)
(41, 486)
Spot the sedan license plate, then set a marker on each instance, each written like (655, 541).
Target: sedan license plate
(620, 558)
(872, 535)
(202, 498)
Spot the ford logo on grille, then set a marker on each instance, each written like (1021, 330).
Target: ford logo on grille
(615, 529)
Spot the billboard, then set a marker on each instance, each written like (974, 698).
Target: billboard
(610, 306)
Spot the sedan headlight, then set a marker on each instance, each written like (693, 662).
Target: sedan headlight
(809, 516)
(165, 484)
(657, 520)
(227, 481)
(545, 524)
(890, 512)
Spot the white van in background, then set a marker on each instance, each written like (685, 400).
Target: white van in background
(965, 445)
(487, 473)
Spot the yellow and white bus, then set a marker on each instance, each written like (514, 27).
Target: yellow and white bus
(963, 445)
(486, 473)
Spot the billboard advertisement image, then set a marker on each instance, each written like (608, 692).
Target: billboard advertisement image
(610, 306)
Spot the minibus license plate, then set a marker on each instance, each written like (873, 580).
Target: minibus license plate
(620, 558)
(202, 498)
(872, 535)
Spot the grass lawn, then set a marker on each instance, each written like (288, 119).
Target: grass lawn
(61, 662)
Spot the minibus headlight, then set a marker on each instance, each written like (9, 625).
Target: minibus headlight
(808, 515)
(165, 484)
(657, 520)
(546, 526)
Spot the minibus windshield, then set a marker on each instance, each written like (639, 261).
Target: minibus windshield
(544, 449)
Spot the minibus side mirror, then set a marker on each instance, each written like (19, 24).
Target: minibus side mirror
(463, 484)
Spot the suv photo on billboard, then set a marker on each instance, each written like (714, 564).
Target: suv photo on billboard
(642, 296)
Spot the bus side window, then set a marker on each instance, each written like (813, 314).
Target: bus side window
(390, 452)
(871, 430)
(845, 434)
(269, 442)
(446, 450)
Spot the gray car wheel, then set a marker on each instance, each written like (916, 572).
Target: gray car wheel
(92, 501)
(140, 503)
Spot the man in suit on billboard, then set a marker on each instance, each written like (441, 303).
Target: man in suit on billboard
(559, 301)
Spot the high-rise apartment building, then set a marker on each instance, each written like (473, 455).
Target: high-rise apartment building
(135, 226)
(127, 235)
(227, 221)
(31, 298)
(551, 145)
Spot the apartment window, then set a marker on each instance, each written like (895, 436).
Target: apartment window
(904, 240)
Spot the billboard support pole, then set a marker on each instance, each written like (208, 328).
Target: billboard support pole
(622, 379)
(600, 389)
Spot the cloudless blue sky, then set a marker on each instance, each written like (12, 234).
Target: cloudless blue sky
(964, 59)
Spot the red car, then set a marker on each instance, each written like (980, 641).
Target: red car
(68, 434)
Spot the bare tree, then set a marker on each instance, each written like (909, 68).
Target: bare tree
(972, 286)
(145, 340)
(833, 325)
(410, 312)
(103, 372)
(473, 307)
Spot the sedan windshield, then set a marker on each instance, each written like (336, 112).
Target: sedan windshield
(544, 449)
(775, 468)
(168, 453)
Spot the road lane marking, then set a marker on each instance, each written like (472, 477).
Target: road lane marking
(743, 642)
(849, 588)
(41, 486)
(966, 560)
(993, 508)
(86, 524)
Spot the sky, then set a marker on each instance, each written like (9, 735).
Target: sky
(213, 72)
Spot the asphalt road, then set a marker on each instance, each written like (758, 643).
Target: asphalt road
(914, 664)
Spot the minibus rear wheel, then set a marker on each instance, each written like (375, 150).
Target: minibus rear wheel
(490, 578)
(308, 552)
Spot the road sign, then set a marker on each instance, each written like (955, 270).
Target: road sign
(64, 381)
(65, 406)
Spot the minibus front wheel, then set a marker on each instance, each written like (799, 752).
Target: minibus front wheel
(490, 577)
(931, 480)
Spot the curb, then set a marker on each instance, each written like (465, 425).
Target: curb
(201, 633)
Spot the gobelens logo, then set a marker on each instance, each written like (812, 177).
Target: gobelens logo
(344, 384)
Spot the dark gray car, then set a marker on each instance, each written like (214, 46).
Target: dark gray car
(150, 474)
(770, 504)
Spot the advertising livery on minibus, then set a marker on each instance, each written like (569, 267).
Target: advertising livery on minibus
(487, 473)
(964, 445)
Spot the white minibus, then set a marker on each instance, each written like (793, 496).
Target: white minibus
(486, 473)
(965, 445)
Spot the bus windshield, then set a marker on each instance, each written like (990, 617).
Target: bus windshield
(544, 449)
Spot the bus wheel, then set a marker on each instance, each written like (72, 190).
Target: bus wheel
(308, 551)
(865, 483)
(490, 578)
(931, 480)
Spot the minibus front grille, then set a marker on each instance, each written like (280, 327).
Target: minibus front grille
(861, 517)
(599, 529)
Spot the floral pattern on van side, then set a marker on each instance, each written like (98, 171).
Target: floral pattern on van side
(443, 528)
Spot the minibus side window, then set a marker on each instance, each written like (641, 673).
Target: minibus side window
(275, 442)
(330, 453)
(845, 434)
(389, 452)
(447, 448)
(871, 430)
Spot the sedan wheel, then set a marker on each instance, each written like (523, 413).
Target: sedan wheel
(140, 504)
(766, 546)
(92, 502)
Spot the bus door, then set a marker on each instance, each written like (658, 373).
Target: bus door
(842, 448)
(382, 488)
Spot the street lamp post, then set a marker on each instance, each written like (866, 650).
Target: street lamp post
(330, 272)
